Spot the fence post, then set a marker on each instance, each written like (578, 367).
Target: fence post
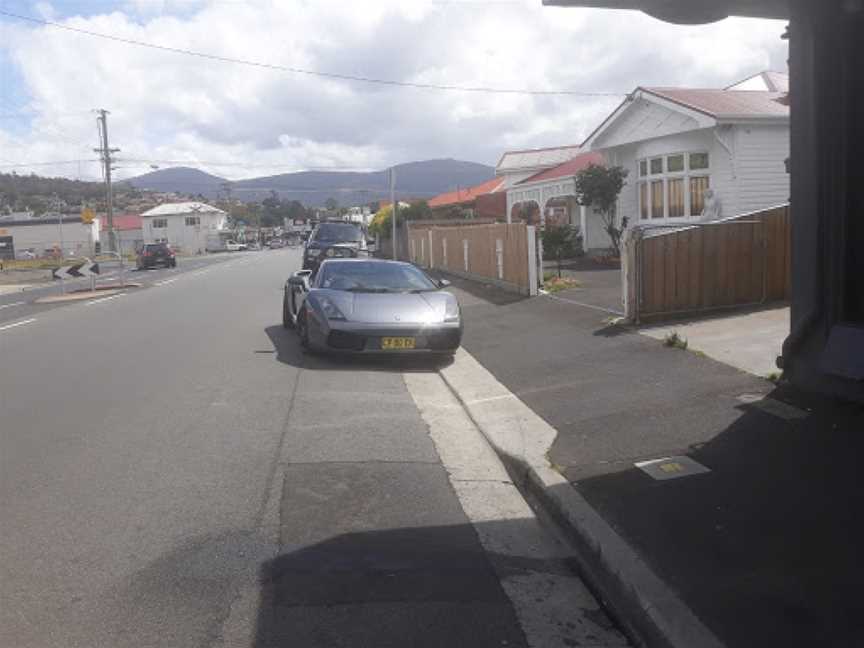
(465, 252)
(444, 251)
(431, 247)
(499, 253)
(531, 244)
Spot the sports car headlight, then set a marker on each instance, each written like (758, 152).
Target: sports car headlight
(331, 310)
(330, 252)
(451, 311)
(312, 252)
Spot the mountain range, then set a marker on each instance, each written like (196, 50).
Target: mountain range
(423, 179)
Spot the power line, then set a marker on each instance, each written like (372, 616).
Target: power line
(58, 162)
(315, 73)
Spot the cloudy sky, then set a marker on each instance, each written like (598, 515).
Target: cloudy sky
(240, 121)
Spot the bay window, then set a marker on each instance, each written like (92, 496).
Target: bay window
(672, 186)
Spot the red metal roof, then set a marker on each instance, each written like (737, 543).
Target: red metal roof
(122, 222)
(469, 194)
(569, 168)
(727, 103)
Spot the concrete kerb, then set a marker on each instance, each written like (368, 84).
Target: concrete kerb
(646, 607)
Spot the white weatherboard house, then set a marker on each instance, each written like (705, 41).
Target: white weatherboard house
(185, 226)
(515, 166)
(681, 145)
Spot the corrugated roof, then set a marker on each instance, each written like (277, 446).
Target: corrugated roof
(536, 158)
(167, 209)
(727, 104)
(468, 194)
(122, 222)
(768, 80)
(568, 169)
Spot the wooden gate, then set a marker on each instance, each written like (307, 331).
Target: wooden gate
(705, 266)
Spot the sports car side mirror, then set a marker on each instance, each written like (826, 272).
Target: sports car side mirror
(443, 283)
(298, 282)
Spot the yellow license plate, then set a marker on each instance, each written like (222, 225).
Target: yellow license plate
(395, 343)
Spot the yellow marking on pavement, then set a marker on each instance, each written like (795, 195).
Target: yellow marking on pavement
(671, 467)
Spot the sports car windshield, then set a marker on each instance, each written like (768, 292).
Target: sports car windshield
(373, 276)
(337, 232)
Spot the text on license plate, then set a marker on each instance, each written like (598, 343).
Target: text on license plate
(397, 343)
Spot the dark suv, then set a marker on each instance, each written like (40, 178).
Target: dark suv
(332, 240)
(155, 254)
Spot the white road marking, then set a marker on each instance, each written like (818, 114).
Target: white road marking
(21, 323)
(104, 299)
(11, 305)
(165, 282)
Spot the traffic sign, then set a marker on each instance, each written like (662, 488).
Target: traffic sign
(87, 215)
(86, 269)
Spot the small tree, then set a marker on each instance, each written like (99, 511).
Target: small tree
(417, 210)
(559, 242)
(598, 187)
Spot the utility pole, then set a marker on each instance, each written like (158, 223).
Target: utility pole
(105, 153)
(395, 208)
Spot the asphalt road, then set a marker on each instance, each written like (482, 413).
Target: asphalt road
(175, 472)
(21, 304)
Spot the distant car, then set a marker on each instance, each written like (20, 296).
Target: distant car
(371, 306)
(234, 246)
(332, 240)
(156, 254)
(276, 243)
(26, 255)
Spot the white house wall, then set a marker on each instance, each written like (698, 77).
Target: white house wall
(722, 171)
(643, 120)
(191, 239)
(762, 151)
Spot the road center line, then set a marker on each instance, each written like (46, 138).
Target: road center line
(103, 299)
(21, 323)
(11, 305)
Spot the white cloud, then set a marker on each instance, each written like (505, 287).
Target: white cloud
(168, 106)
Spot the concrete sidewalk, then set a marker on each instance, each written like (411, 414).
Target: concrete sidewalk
(749, 341)
(740, 497)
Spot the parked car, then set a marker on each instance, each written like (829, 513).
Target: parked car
(25, 255)
(276, 243)
(371, 306)
(332, 240)
(155, 254)
(234, 246)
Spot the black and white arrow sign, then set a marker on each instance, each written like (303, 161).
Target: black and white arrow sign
(87, 269)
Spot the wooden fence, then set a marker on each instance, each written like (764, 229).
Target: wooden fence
(734, 262)
(498, 253)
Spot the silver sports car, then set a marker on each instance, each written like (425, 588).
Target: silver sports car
(371, 306)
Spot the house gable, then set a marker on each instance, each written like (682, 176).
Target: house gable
(646, 117)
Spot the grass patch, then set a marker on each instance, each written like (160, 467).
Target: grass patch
(553, 283)
(775, 377)
(673, 340)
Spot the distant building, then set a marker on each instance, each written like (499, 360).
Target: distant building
(186, 226)
(47, 234)
(486, 200)
(130, 234)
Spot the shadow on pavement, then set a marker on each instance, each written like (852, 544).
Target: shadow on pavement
(288, 350)
(420, 586)
(766, 547)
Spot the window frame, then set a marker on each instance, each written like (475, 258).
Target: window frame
(645, 213)
(157, 223)
(196, 221)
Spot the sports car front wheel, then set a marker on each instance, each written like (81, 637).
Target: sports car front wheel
(287, 322)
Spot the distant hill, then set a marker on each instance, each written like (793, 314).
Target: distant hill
(184, 180)
(415, 180)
